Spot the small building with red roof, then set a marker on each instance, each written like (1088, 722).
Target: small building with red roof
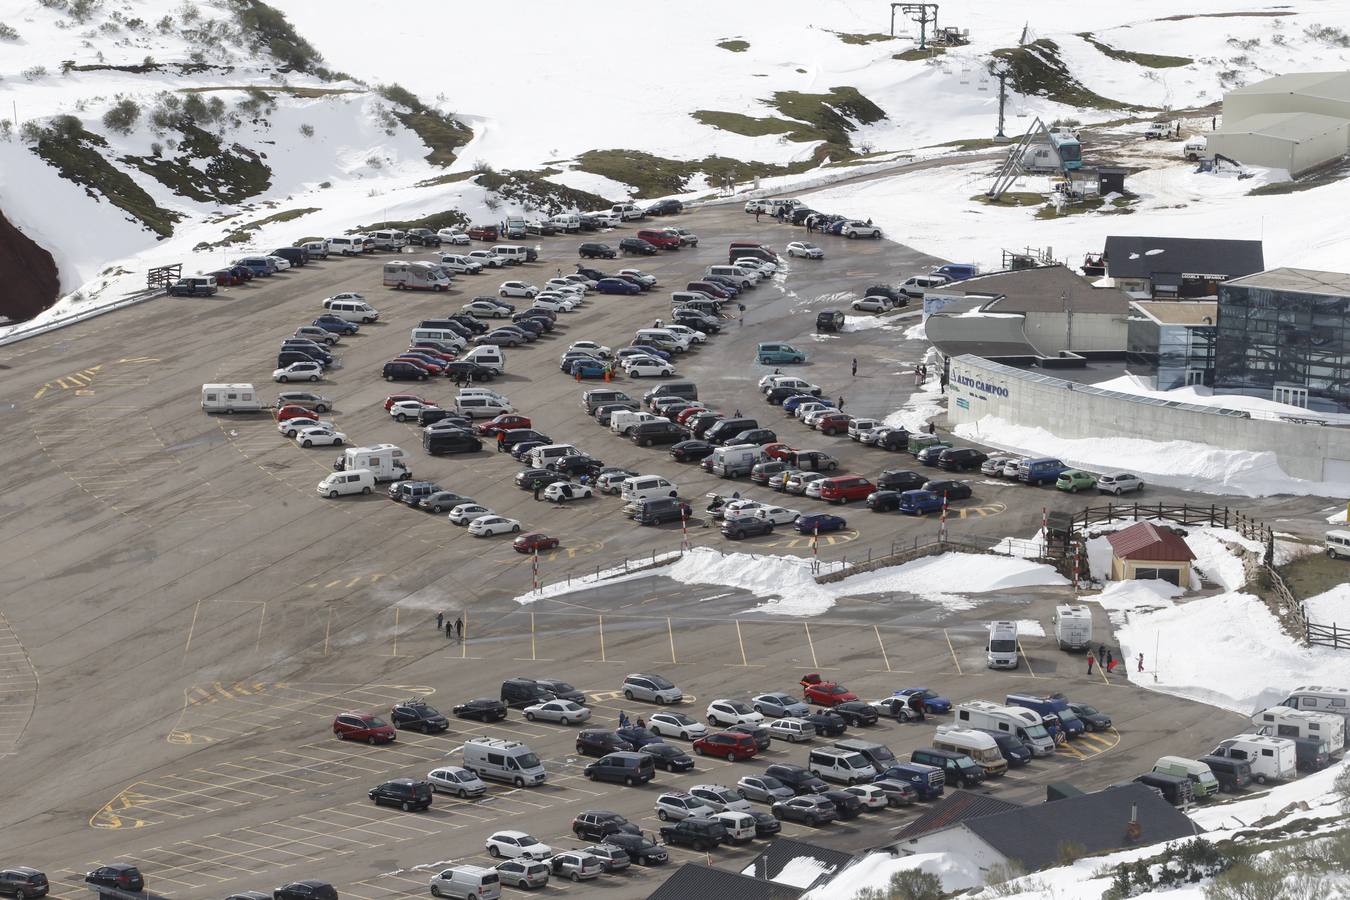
(1146, 551)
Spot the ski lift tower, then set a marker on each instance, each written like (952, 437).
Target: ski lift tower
(923, 13)
(1014, 165)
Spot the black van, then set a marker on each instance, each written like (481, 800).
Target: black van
(958, 768)
(644, 434)
(296, 256)
(624, 767)
(685, 390)
(661, 509)
(1176, 789)
(523, 692)
(1232, 774)
(286, 357)
(436, 442)
(829, 320)
(728, 428)
(407, 793)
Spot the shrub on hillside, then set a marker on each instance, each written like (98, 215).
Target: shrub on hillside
(123, 116)
(7, 33)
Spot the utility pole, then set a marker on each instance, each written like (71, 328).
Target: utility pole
(999, 69)
(923, 13)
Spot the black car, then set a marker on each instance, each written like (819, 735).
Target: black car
(424, 237)
(592, 274)
(599, 824)
(954, 490)
(800, 213)
(798, 778)
(596, 251)
(856, 712)
(700, 834)
(418, 715)
(765, 824)
(450, 440)
(397, 370)
(576, 465)
(812, 809)
(442, 501)
(598, 742)
(691, 450)
(640, 849)
(762, 736)
(530, 324)
(1093, 718)
(668, 757)
(644, 434)
(846, 805)
(484, 709)
(637, 245)
(521, 450)
(542, 228)
(885, 290)
(745, 525)
(526, 478)
(562, 690)
(406, 793)
(589, 223)
(961, 458)
(23, 882)
(514, 437)
(883, 501)
(897, 440)
(758, 436)
(900, 480)
(533, 315)
(124, 876)
(638, 736)
(249, 895)
(827, 723)
(469, 322)
(305, 890)
(664, 208)
(777, 395)
(1012, 749)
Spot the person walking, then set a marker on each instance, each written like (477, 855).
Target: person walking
(932, 428)
(855, 367)
(757, 214)
(501, 441)
(1101, 654)
(737, 414)
(459, 628)
(1110, 660)
(1141, 662)
(916, 706)
(841, 402)
(560, 271)
(1091, 659)
(538, 486)
(440, 620)
(447, 630)
(623, 716)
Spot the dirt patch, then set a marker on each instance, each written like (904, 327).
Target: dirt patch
(734, 46)
(914, 54)
(205, 170)
(1151, 60)
(28, 273)
(1037, 69)
(532, 190)
(863, 39)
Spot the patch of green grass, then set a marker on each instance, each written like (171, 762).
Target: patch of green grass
(1331, 175)
(1151, 60)
(656, 176)
(232, 174)
(244, 233)
(436, 221)
(533, 190)
(750, 126)
(873, 38)
(450, 178)
(833, 116)
(975, 143)
(268, 27)
(1050, 211)
(76, 156)
(735, 46)
(441, 133)
(914, 54)
(1036, 69)
(266, 89)
(1012, 198)
(1314, 574)
(1220, 15)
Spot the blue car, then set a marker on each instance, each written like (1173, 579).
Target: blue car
(652, 351)
(336, 325)
(918, 503)
(258, 265)
(616, 286)
(587, 368)
(791, 403)
(932, 702)
(726, 284)
(821, 522)
(637, 736)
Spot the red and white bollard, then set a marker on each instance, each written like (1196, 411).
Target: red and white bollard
(942, 525)
(534, 570)
(684, 530)
(815, 549)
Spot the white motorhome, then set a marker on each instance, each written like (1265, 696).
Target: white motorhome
(1281, 721)
(416, 276)
(542, 456)
(1001, 651)
(734, 461)
(977, 745)
(509, 761)
(489, 357)
(1073, 626)
(1024, 724)
(386, 462)
(230, 398)
(1320, 698)
(622, 421)
(1271, 758)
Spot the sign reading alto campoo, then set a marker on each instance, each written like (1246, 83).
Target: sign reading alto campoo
(979, 384)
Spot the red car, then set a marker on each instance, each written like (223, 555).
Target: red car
(664, 239)
(424, 362)
(687, 412)
(363, 726)
(827, 693)
(833, 423)
(531, 541)
(226, 277)
(730, 745)
(776, 451)
(483, 233)
(398, 398)
(504, 422)
(433, 353)
(843, 488)
(291, 411)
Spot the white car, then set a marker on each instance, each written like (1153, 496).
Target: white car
(461, 265)
(517, 845)
(456, 780)
(482, 309)
(740, 825)
(812, 488)
(564, 284)
(404, 410)
(805, 409)
(597, 350)
(299, 371)
(292, 427)
(732, 712)
(518, 289)
(872, 304)
(562, 491)
(489, 259)
(641, 366)
(465, 513)
(872, 797)
(778, 515)
(649, 280)
(800, 385)
(673, 724)
(577, 278)
(319, 436)
(858, 427)
(563, 711)
(677, 805)
(487, 526)
(553, 303)
(606, 218)
(770, 381)
(805, 249)
(871, 438)
(812, 419)
(743, 505)
(856, 229)
(1119, 482)
(721, 798)
(762, 267)
(684, 331)
(281, 262)
(452, 236)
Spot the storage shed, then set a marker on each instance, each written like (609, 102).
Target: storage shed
(1146, 551)
(1324, 93)
(1294, 141)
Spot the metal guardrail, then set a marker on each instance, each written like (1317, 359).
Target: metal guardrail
(20, 333)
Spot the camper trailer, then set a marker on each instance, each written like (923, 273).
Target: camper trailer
(1073, 627)
(386, 462)
(230, 398)
(1024, 724)
(415, 276)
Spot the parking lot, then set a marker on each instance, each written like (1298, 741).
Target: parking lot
(185, 615)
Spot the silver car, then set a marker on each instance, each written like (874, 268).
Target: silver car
(651, 688)
(720, 798)
(994, 465)
(564, 711)
(764, 788)
(456, 780)
(523, 873)
(779, 705)
(1119, 483)
(614, 859)
(577, 865)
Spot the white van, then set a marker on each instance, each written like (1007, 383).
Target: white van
(977, 745)
(386, 462)
(230, 398)
(646, 487)
(845, 766)
(1281, 721)
(734, 461)
(1271, 758)
(509, 761)
(567, 221)
(490, 357)
(1001, 651)
(1073, 626)
(623, 421)
(1024, 724)
(514, 255)
(1338, 544)
(348, 481)
(344, 245)
(483, 392)
(467, 883)
(390, 240)
(481, 407)
(1319, 698)
(353, 311)
(540, 457)
(443, 335)
(316, 249)
(663, 338)
(742, 276)
(626, 211)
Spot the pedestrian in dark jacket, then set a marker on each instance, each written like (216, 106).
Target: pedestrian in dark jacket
(932, 428)
(538, 486)
(1091, 659)
(1101, 654)
(916, 706)
(440, 620)
(841, 402)
(855, 367)
(447, 629)
(1110, 660)
(459, 628)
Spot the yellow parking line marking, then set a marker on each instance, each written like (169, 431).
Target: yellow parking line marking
(1025, 660)
(328, 630)
(880, 644)
(188, 646)
(812, 644)
(601, 620)
(533, 655)
(1101, 671)
(741, 641)
(670, 630)
(955, 661)
(396, 610)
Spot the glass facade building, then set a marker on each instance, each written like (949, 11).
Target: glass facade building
(1173, 344)
(1285, 335)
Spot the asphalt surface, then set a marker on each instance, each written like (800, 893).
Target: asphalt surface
(183, 614)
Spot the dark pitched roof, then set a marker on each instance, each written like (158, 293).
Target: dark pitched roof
(1143, 257)
(1034, 835)
(781, 851)
(694, 881)
(1144, 540)
(958, 806)
(1043, 289)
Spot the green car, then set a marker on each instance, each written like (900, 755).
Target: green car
(1074, 481)
(779, 354)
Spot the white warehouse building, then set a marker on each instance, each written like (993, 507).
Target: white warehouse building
(1295, 122)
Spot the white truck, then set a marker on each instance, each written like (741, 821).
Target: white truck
(622, 421)
(230, 398)
(733, 461)
(416, 276)
(386, 462)
(1073, 626)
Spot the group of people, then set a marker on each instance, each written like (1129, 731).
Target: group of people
(453, 629)
(624, 721)
(1105, 659)
(920, 374)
